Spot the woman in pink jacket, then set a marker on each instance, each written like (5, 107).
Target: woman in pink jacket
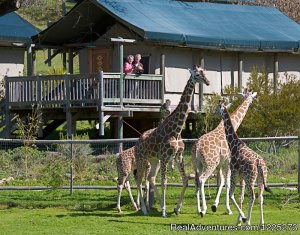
(128, 67)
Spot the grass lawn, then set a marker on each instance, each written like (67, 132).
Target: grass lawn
(93, 212)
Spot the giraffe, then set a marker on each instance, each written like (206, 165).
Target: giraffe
(247, 164)
(211, 151)
(165, 143)
(126, 164)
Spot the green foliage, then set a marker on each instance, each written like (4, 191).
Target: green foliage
(55, 170)
(13, 163)
(79, 155)
(40, 12)
(270, 114)
(28, 126)
(273, 113)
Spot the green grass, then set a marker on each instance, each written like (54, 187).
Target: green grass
(93, 212)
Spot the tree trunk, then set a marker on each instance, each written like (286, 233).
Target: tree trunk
(7, 6)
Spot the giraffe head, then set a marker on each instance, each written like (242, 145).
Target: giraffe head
(222, 108)
(198, 75)
(248, 92)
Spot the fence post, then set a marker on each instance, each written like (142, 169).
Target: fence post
(299, 165)
(71, 166)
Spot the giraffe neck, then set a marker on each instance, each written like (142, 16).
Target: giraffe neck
(231, 136)
(174, 123)
(238, 115)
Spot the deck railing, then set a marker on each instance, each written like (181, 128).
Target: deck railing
(82, 90)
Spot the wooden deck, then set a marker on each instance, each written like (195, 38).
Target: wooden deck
(85, 94)
(83, 90)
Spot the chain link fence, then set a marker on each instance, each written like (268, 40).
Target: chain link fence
(84, 164)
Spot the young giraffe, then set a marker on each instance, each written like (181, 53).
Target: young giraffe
(211, 151)
(126, 164)
(247, 164)
(165, 143)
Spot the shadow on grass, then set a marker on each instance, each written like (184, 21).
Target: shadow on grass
(111, 213)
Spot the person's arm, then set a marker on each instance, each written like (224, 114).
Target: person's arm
(127, 68)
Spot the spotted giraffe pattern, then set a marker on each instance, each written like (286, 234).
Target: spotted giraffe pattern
(126, 164)
(244, 163)
(211, 152)
(165, 143)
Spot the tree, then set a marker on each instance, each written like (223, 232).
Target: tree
(291, 8)
(7, 6)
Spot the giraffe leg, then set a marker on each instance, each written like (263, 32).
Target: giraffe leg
(121, 181)
(140, 190)
(228, 174)
(251, 202)
(155, 165)
(261, 201)
(222, 182)
(242, 193)
(185, 182)
(128, 188)
(202, 179)
(163, 171)
(241, 215)
(120, 187)
(197, 183)
(138, 194)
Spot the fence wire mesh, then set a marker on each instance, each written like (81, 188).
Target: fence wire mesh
(57, 163)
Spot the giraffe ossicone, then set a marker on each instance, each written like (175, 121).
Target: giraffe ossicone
(164, 143)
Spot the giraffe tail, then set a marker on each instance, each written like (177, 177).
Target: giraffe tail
(267, 188)
(262, 167)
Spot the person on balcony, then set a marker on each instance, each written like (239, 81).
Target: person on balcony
(128, 67)
(137, 65)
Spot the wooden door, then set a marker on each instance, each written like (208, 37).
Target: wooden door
(100, 59)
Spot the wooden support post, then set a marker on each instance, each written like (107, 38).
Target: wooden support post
(162, 72)
(275, 72)
(33, 62)
(100, 105)
(39, 106)
(68, 106)
(240, 72)
(121, 74)
(7, 111)
(71, 62)
(120, 131)
(201, 92)
(64, 55)
(29, 60)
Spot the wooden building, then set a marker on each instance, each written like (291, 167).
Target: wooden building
(227, 40)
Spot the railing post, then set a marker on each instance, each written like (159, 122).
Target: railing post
(39, 105)
(100, 106)
(7, 112)
(299, 165)
(121, 74)
(68, 106)
(162, 72)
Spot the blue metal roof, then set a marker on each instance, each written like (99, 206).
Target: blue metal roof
(14, 28)
(207, 25)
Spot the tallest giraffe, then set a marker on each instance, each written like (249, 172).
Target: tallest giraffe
(165, 143)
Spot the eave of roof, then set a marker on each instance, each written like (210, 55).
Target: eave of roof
(15, 29)
(185, 24)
